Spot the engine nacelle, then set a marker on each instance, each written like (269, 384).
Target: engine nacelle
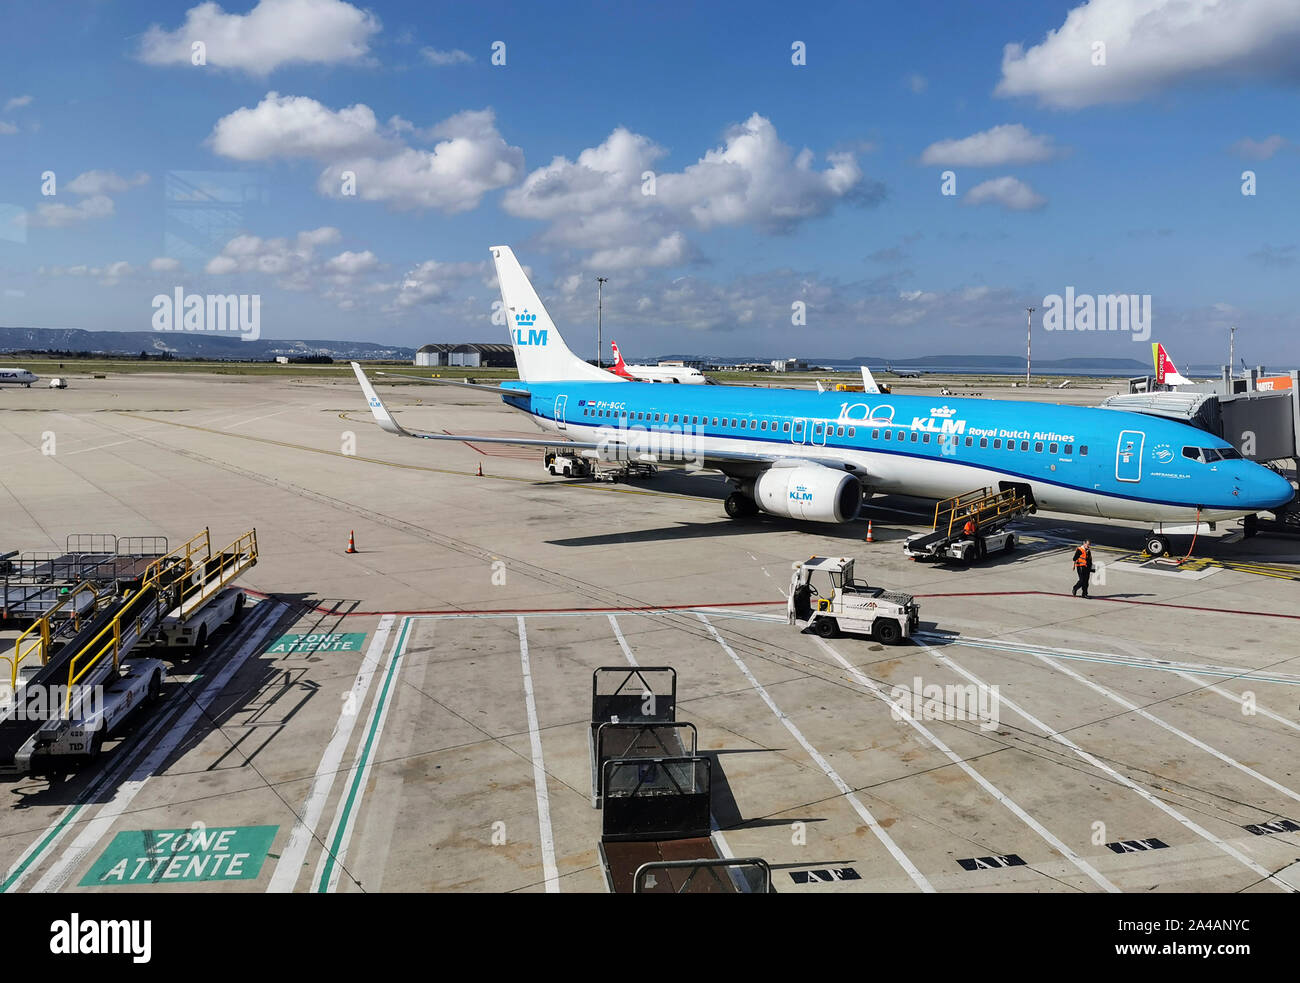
(810, 492)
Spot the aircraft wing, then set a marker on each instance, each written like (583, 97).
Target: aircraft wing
(455, 383)
(620, 445)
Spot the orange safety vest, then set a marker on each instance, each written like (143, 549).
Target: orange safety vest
(970, 527)
(1082, 561)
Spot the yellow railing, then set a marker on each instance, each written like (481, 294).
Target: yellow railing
(231, 561)
(982, 505)
(40, 639)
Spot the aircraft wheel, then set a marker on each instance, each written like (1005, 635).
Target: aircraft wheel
(568, 471)
(1157, 545)
(737, 505)
(552, 469)
(887, 632)
(826, 627)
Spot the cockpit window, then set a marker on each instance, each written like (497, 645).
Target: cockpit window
(1212, 454)
(1229, 454)
(1194, 453)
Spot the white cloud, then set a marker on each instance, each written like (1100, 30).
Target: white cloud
(57, 215)
(1011, 193)
(1010, 143)
(350, 264)
(164, 264)
(444, 58)
(604, 201)
(273, 34)
(296, 126)
(105, 183)
(1258, 149)
(7, 128)
(108, 276)
(291, 263)
(432, 282)
(470, 159)
(1152, 45)
(17, 102)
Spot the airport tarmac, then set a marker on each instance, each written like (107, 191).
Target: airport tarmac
(432, 735)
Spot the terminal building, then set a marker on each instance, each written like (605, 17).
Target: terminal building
(472, 355)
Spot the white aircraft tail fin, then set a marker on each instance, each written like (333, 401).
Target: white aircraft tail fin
(868, 382)
(540, 353)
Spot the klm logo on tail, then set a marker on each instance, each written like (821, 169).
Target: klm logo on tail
(525, 333)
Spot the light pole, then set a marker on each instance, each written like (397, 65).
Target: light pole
(1029, 340)
(1232, 352)
(600, 316)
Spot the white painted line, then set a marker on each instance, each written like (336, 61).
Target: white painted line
(917, 877)
(289, 867)
(549, 870)
(1096, 763)
(1147, 715)
(1083, 865)
(1239, 700)
(128, 790)
(329, 867)
(622, 642)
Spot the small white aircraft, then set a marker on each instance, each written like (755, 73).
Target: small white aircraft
(655, 373)
(11, 376)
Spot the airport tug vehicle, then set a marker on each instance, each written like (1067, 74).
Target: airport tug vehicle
(825, 597)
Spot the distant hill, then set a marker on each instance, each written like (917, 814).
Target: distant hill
(187, 345)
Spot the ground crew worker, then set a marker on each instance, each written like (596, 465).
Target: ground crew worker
(1082, 567)
(969, 531)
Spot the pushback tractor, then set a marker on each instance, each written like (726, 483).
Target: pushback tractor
(83, 667)
(825, 597)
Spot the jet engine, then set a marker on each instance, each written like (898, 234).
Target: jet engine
(810, 491)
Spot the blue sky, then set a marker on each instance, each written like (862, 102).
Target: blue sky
(1122, 177)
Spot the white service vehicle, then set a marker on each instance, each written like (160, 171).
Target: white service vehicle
(193, 632)
(58, 382)
(835, 602)
(570, 467)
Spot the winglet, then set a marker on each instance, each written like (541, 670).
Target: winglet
(377, 407)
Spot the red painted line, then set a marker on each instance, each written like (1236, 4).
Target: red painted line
(476, 450)
(1121, 600)
(596, 610)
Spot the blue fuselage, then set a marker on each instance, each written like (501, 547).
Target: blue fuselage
(1085, 460)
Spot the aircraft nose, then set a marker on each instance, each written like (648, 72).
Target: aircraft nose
(1272, 490)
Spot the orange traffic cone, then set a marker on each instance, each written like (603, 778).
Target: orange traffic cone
(352, 542)
(480, 469)
(869, 539)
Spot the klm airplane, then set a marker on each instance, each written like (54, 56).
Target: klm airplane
(813, 456)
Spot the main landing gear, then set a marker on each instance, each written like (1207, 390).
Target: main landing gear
(1157, 544)
(739, 505)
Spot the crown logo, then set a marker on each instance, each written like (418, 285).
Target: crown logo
(525, 320)
(943, 411)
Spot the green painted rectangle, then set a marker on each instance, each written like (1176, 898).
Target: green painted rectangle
(312, 644)
(181, 856)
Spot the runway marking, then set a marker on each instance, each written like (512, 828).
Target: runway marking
(622, 642)
(330, 865)
(1117, 600)
(917, 877)
(1147, 715)
(289, 867)
(93, 831)
(1239, 700)
(1165, 807)
(549, 869)
(1099, 879)
(1108, 658)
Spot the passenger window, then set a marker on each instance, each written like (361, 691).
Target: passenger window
(875, 434)
(733, 424)
(914, 436)
(839, 432)
(1038, 447)
(984, 441)
(715, 421)
(888, 434)
(925, 439)
(970, 441)
(674, 418)
(785, 427)
(1024, 445)
(900, 435)
(764, 426)
(798, 427)
(1069, 448)
(852, 431)
(997, 444)
(742, 424)
(1083, 450)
